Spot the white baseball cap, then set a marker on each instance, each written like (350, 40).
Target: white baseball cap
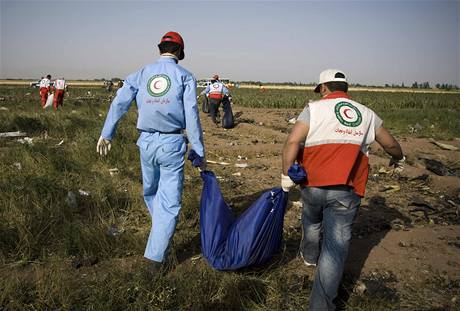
(330, 75)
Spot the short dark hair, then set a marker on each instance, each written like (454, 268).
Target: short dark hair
(337, 86)
(169, 47)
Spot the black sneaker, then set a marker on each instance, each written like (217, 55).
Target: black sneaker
(154, 268)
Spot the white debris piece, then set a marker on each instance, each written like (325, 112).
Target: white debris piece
(71, 199)
(18, 165)
(113, 171)
(83, 193)
(26, 140)
(215, 162)
(13, 134)
(236, 174)
(297, 204)
(241, 165)
(60, 143)
(443, 146)
(292, 120)
(3, 108)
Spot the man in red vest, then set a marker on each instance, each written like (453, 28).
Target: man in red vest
(331, 141)
(215, 92)
(59, 86)
(45, 88)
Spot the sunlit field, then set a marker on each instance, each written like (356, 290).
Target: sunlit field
(73, 224)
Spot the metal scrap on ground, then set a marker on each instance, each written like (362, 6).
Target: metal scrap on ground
(13, 134)
(443, 146)
(215, 162)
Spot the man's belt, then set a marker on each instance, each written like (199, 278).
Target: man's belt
(160, 132)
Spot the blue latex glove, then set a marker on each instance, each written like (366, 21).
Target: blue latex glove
(196, 160)
(297, 173)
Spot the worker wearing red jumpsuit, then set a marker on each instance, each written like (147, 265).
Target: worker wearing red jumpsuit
(59, 86)
(45, 85)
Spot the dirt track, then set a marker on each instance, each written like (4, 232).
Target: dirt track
(413, 232)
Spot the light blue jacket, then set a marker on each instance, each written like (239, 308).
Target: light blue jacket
(165, 95)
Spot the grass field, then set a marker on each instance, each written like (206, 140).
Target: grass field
(72, 233)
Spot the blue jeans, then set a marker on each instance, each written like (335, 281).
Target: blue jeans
(327, 219)
(162, 163)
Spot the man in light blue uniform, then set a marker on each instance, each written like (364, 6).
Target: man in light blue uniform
(165, 94)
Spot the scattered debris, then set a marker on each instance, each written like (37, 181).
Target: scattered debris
(60, 143)
(443, 146)
(242, 158)
(83, 193)
(423, 177)
(415, 129)
(195, 258)
(390, 188)
(215, 162)
(402, 244)
(2, 99)
(236, 174)
(374, 177)
(71, 199)
(383, 170)
(418, 202)
(360, 288)
(113, 230)
(113, 171)
(13, 134)
(292, 120)
(437, 167)
(26, 140)
(241, 165)
(17, 165)
(4, 108)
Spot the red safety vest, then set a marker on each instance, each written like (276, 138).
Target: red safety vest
(336, 147)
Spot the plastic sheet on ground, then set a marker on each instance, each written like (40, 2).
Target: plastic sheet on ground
(229, 242)
(49, 101)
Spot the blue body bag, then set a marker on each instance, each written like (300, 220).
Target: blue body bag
(229, 242)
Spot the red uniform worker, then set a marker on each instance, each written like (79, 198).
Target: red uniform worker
(45, 84)
(59, 86)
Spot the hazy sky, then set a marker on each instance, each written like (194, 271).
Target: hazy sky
(374, 42)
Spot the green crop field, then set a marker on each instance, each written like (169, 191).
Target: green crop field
(73, 231)
(436, 113)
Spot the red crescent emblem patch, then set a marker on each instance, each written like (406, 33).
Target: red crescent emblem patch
(345, 113)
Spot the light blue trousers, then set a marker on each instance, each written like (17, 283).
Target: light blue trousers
(162, 163)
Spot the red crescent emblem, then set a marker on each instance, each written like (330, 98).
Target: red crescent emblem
(155, 85)
(345, 113)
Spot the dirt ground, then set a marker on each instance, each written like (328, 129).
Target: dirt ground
(408, 225)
